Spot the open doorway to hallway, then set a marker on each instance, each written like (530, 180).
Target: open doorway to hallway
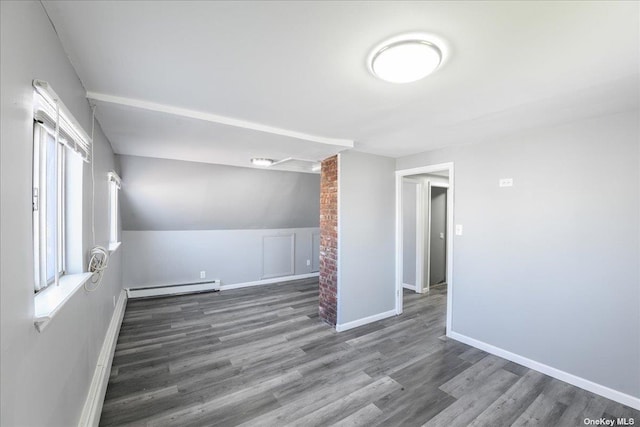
(424, 230)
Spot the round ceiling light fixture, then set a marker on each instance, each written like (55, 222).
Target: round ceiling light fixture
(262, 162)
(405, 59)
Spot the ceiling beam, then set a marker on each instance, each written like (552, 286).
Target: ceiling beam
(214, 118)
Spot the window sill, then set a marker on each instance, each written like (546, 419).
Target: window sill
(114, 246)
(49, 301)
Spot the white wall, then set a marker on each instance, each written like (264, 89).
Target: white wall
(536, 272)
(45, 376)
(366, 241)
(153, 258)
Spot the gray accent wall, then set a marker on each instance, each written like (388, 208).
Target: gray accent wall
(155, 258)
(160, 194)
(237, 224)
(45, 376)
(536, 273)
(366, 235)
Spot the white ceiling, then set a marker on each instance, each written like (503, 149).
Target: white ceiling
(222, 82)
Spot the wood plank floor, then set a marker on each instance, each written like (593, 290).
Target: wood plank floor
(261, 357)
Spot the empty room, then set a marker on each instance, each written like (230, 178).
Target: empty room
(319, 213)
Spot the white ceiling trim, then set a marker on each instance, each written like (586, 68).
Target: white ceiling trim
(214, 118)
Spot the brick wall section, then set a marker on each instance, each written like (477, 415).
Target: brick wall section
(328, 306)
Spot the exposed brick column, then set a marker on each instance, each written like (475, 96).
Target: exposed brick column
(328, 306)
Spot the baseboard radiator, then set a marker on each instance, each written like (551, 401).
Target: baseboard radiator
(165, 290)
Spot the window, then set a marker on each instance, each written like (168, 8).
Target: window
(114, 189)
(48, 207)
(59, 146)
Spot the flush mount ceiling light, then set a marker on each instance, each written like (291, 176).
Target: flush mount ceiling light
(405, 59)
(262, 162)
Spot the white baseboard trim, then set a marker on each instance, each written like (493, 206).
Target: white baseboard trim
(410, 287)
(365, 320)
(92, 409)
(153, 291)
(583, 383)
(268, 281)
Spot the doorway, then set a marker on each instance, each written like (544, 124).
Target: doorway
(424, 230)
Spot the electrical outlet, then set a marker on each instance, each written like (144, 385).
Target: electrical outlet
(203, 274)
(506, 182)
(308, 262)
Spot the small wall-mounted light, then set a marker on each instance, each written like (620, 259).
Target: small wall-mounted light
(261, 162)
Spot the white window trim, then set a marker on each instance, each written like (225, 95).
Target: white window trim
(49, 301)
(53, 114)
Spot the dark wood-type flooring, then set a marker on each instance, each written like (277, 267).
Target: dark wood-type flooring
(261, 357)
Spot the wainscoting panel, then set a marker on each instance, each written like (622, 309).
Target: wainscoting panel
(278, 255)
(315, 252)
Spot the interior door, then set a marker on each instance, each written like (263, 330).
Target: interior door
(426, 237)
(438, 237)
(410, 234)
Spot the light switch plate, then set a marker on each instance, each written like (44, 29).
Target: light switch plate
(506, 182)
(458, 229)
